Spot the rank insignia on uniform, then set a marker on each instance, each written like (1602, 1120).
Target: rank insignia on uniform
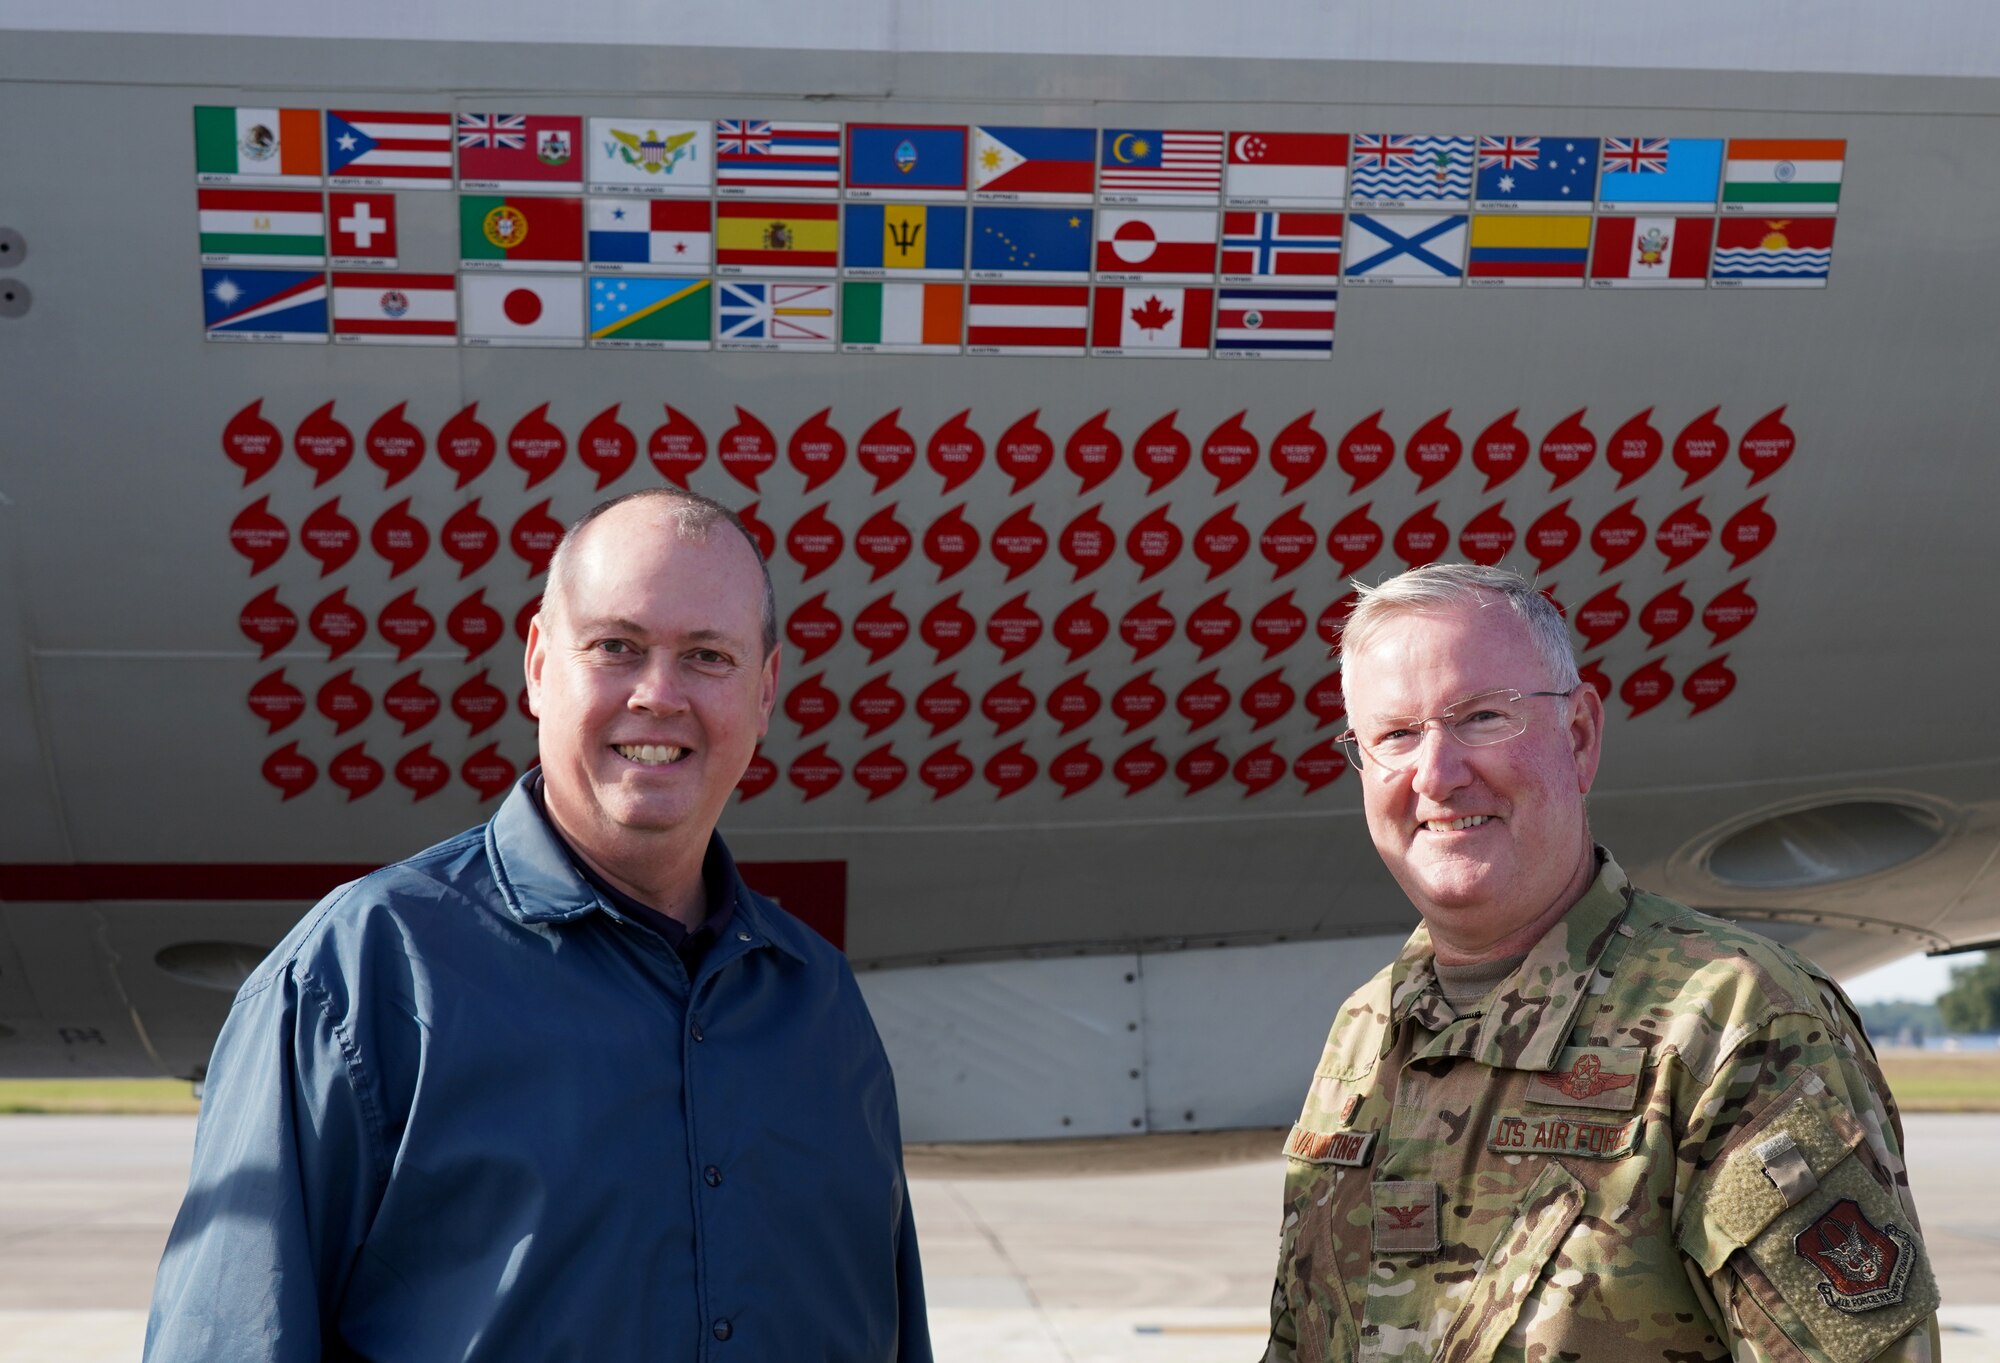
(1406, 1217)
(1592, 1076)
(1349, 1149)
(1865, 1266)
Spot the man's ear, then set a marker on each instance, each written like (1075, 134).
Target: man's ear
(532, 661)
(767, 697)
(1586, 734)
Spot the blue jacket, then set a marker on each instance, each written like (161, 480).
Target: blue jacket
(465, 1111)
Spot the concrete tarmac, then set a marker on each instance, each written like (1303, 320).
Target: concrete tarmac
(1158, 1250)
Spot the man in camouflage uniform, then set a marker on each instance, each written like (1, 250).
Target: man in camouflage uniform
(1572, 1120)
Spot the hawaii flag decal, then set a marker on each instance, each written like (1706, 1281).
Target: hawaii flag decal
(1153, 323)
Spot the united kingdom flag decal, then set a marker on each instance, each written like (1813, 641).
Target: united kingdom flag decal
(1865, 1267)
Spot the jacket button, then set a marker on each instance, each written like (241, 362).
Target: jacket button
(712, 1176)
(694, 1030)
(721, 1330)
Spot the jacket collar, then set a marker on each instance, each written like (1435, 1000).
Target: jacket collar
(1532, 1011)
(540, 884)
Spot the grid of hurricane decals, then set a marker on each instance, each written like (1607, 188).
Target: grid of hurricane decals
(798, 235)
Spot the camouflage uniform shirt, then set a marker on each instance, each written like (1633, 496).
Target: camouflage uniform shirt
(1664, 1137)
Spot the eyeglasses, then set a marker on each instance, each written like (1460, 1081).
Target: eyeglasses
(1479, 721)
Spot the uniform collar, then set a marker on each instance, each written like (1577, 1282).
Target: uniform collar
(1532, 1011)
(540, 884)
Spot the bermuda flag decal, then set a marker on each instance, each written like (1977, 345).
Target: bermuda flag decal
(1152, 323)
(264, 305)
(1027, 319)
(1286, 169)
(1771, 176)
(649, 314)
(1773, 253)
(519, 151)
(1536, 250)
(1155, 243)
(395, 309)
(518, 233)
(1660, 174)
(363, 227)
(1651, 253)
(1275, 324)
(256, 146)
(652, 236)
(755, 156)
(522, 310)
(906, 318)
(790, 238)
(905, 160)
(1150, 165)
(1034, 165)
(772, 315)
(1299, 246)
(261, 227)
(409, 151)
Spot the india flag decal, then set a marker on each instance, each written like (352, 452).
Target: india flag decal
(1783, 176)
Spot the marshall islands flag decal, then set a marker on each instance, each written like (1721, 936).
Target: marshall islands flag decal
(264, 305)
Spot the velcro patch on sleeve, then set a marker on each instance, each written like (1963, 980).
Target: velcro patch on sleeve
(1406, 1217)
(1605, 1077)
(1535, 1133)
(1349, 1149)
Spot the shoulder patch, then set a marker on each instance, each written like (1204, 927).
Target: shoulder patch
(1866, 1266)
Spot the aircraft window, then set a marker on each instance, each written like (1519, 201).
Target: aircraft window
(1825, 844)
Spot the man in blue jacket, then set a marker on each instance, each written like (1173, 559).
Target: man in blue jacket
(562, 1087)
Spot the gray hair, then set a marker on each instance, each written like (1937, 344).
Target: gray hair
(1437, 587)
(694, 516)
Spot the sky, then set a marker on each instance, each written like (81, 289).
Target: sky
(1916, 979)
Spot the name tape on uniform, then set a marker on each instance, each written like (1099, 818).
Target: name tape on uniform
(1349, 1149)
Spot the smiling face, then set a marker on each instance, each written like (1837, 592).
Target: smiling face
(651, 685)
(1491, 844)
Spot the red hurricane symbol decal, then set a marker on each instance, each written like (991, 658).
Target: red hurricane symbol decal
(1647, 687)
(1074, 703)
(881, 628)
(886, 450)
(1433, 451)
(1087, 543)
(1633, 448)
(291, 771)
(1366, 452)
(354, 771)
(536, 445)
(473, 625)
(535, 536)
(479, 703)
(1354, 541)
(1700, 449)
(1202, 767)
(1568, 449)
(1139, 702)
(1221, 542)
(1010, 770)
(951, 543)
(1213, 626)
(882, 542)
(1146, 627)
(1709, 685)
(877, 705)
(1748, 533)
(1267, 700)
(1554, 536)
(758, 777)
(465, 445)
(1277, 625)
(812, 628)
(1154, 542)
(411, 703)
(947, 627)
(677, 448)
(817, 450)
(880, 772)
(252, 443)
(336, 624)
(1683, 534)
(1665, 615)
(1081, 626)
(399, 539)
(814, 542)
(945, 771)
(1229, 453)
(1093, 452)
(1288, 542)
(1259, 769)
(395, 445)
(1423, 538)
(814, 773)
(1501, 451)
(1593, 674)
(258, 535)
(1730, 613)
(767, 538)
(1325, 701)
(406, 625)
(1161, 452)
(1618, 536)
(322, 443)
(1488, 537)
(1076, 769)
(1024, 452)
(1599, 619)
(956, 452)
(276, 701)
(469, 539)
(1333, 619)
(1320, 765)
(1139, 767)
(488, 773)
(812, 705)
(422, 772)
(329, 536)
(747, 449)
(1766, 446)
(1298, 453)
(1019, 542)
(607, 447)
(1013, 628)
(943, 704)
(1202, 701)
